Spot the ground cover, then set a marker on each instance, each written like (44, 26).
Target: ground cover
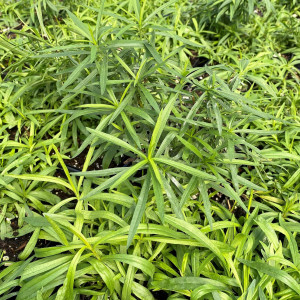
(149, 149)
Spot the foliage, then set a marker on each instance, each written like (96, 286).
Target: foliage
(182, 124)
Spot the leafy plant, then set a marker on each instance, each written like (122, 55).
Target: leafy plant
(149, 150)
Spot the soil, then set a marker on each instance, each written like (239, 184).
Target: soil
(2, 74)
(14, 130)
(198, 61)
(12, 133)
(13, 247)
(226, 202)
(10, 34)
(160, 295)
(239, 212)
(220, 198)
(78, 161)
(74, 165)
(258, 12)
(84, 297)
(61, 194)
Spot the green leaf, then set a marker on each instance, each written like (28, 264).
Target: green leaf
(37, 177)
(30, 288)
(112, 139)
(131, 130)
(292, 242)
(274, 272)
(195, 233)
(136, 261)
(187, 169)
(158, 192)
(104, 106)
(66, 291)
(43, 265)
(180, 38)
(261, 82)
(105, 185)
(190, 146)
(105, 272)
(60, 234)
(61, 219)
(218, 117)
(76, 73)
(102, 214)
(20, 161)
(268, 231)
(123, 103)
(249, 184)
(128, 173)
(203, 290)
(272, 154)
(83, 28)
(160, 124)
(158, 10)
(103, 71)
(149, 98)
(100, 173)
(188, 190)
(140, 113)
(293, 179)
(206, 201)
(139, 209)
(124, 65)
(62, 163)
(126, 43)
(172, 198)
(186, 283)
(233, 168)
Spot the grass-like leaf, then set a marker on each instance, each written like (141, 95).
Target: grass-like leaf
(274, 272)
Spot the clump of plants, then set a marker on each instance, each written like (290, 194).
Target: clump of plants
(149, 150)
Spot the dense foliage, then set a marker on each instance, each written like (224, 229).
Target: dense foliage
(150, 149)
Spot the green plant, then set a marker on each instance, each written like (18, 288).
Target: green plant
(149, 151)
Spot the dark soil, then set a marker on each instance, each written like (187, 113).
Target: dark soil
(85, 297)
(220, 198)
(13, 247)
(226, 202)
(12, 35)
(239, 212)
(196, 60)
(78, 161)
(160, 295)
(76, 164)
(3, 74)
(61, 194)
(258, 12)
(14, 131)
